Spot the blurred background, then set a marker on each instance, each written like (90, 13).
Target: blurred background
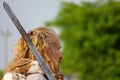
(89, 31)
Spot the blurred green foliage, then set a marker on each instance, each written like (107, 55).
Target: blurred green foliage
(91, 39)
(1, 75)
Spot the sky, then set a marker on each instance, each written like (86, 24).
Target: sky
(31, 14)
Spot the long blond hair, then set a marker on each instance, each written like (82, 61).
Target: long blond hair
(39, 37)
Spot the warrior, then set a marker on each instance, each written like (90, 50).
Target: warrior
(24, 65)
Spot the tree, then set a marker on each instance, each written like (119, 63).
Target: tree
(91, 36)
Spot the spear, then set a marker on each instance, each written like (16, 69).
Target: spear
(21, 30)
